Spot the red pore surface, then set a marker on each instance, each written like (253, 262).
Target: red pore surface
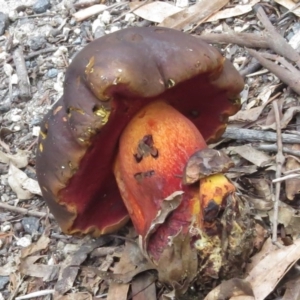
(107, 83)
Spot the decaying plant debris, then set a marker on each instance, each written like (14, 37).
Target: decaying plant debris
(261, 38)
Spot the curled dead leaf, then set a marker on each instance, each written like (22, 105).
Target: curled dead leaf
(168, 205)
(20, 159)
(231, 288)
(204, 163)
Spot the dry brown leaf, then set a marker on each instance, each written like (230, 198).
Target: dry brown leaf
(268, 272)
(260, 237)
(258, 158)
(72, 264)
(41, 244)
(289, 4)
(30, 268)
(230, 289)
(237, 10)
(143, 287)
(21, 184)
(260, 187)
(76, 296)
(239, 171)
(16, 178)
(20, 160)
(155, 11)
(194, 14)
(285, 215)
(168, 205)
(120, 290)
(286, 118)
(292, 185)
(293, 228)
(249, 115)
(259, 203)
(292, 291)
(9, 268)
(204, 163)
(266, 249)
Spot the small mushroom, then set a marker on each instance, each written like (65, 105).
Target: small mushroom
(106, 85)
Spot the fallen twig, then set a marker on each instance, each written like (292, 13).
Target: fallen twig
(24, 84)
(275, 40)
(25, 211)
(16, 290)
(283, 178)
(274, 148)
(269, 38)
(90, 11)
(258, 135)
(279, 163)
(243, 39)
(35, 294)
(292, 79)
(252, 67)
(85, 3)
(288, 12)
(36, 53)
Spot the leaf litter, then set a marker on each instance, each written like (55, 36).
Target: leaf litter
(105, 268)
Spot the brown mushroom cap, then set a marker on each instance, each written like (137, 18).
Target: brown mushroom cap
(107, 83)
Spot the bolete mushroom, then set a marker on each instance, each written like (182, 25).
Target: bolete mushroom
(138, 109)
(108, 83)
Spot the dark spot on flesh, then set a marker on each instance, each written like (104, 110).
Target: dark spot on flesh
(145, 148)
(211, 211)
(141, 175)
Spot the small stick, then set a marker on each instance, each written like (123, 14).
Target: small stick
(292, 79)
(291, 171)
(21, 70)
(86, 3)
(258, 135)
(16, 290)
(25, 211)
(253, 66)
(270, 38)
(279, 163)
(250, 40)
(283, 178)
(289, 11)
(276, 41)
(37, 16)
(274, 148)
(36, 294)
(85, 13)
(130, 11)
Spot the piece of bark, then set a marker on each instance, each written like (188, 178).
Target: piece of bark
(24, 84)
(259, 135)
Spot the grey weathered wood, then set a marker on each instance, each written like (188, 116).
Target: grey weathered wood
(259, 136)
(24, 84)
